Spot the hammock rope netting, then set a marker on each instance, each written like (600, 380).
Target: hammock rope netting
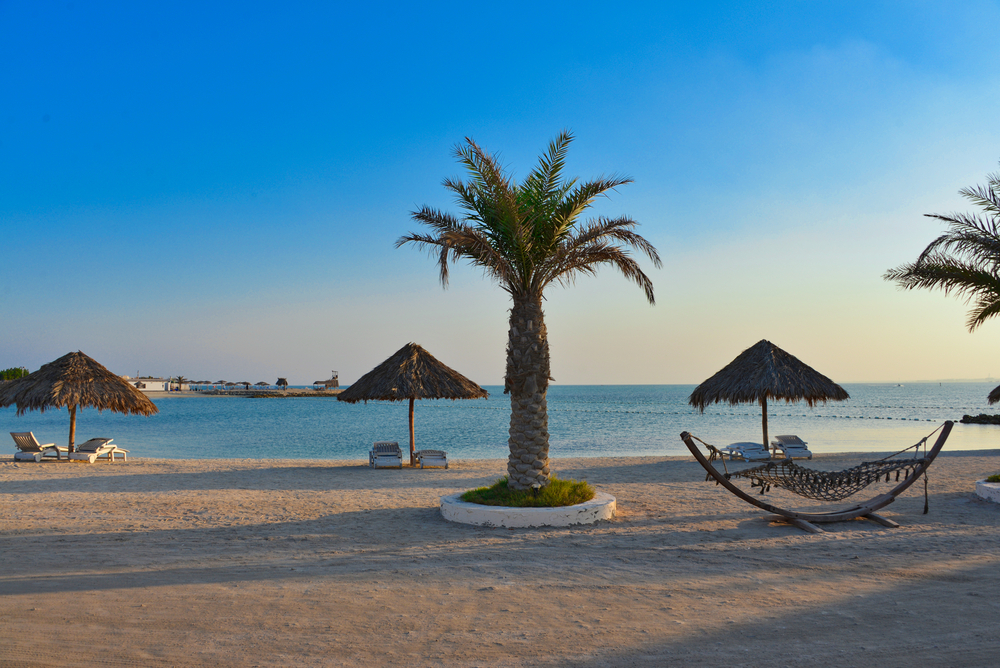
(825, 485)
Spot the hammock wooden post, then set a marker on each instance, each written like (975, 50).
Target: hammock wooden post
(805, 526)
(884, 521)
(802, 519)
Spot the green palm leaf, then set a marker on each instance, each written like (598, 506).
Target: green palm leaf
(965, 260)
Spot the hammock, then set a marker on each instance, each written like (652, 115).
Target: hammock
(826, 485)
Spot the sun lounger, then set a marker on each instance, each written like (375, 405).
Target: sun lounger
(432, 458)
(29, 449)
(792, 447)
(385, 453)
(92, 449)
(748, 452)
(117, 453)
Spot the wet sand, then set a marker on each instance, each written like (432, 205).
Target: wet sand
(320, 563)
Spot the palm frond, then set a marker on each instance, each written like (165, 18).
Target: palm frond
(987, 197)
(965, 260)
(966, 280)
(525, 236)
(619, 229)
(588, 259)
(987, 306)
(970, 235)
(601, 241)
(472, 244)
(543, 181)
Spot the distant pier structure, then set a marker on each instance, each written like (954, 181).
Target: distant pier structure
(333, 382)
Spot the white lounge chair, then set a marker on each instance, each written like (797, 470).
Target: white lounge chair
(385, 453)
(94, 448)
(29, 449)
(118, 453)
(432, 458)
(792, 447)
(114, 453)
(746, 451)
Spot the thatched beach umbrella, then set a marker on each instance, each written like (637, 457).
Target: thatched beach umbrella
(75, 380)
(765, 371)
(412, 373)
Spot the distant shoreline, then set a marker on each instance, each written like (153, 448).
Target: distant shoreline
(265, 394)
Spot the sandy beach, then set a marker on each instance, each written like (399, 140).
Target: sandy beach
(320, 563)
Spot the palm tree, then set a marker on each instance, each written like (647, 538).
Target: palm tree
(966, 259)
(180, 381)
(525, 237)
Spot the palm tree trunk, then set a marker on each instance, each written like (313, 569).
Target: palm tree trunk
(527, 382)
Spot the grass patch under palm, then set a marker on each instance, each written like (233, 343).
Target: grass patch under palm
(557, 494)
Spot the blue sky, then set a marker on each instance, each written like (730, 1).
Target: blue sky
(214, 189)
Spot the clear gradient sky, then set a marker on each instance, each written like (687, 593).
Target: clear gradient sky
(214, 189)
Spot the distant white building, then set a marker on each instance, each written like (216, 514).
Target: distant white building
(149, 384)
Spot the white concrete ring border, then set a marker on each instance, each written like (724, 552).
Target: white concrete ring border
(988, 490)
(601, 507)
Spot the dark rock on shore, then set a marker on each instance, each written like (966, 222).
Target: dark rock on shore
(982, 418)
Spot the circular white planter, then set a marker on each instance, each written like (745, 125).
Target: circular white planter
(988, 490)
(601, 507)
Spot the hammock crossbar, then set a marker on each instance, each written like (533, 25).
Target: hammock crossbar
(824, 485)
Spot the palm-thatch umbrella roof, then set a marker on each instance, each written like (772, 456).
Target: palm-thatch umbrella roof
(411, 373)
(994, 396)
(75, 380)
(765, 371)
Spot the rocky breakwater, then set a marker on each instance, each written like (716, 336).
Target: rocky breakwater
(982, 418)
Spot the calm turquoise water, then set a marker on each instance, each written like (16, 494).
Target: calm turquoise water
(584, 421)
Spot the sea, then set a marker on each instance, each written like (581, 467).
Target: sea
(584, 421)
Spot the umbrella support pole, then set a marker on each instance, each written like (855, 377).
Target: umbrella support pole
(413, 447)
(72, 427)
(763, 413)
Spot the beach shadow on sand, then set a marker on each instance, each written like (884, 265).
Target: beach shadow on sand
(291, 478)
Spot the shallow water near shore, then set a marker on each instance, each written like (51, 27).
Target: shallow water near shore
(584, 421)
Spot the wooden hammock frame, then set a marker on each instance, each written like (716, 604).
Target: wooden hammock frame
(808, 521)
